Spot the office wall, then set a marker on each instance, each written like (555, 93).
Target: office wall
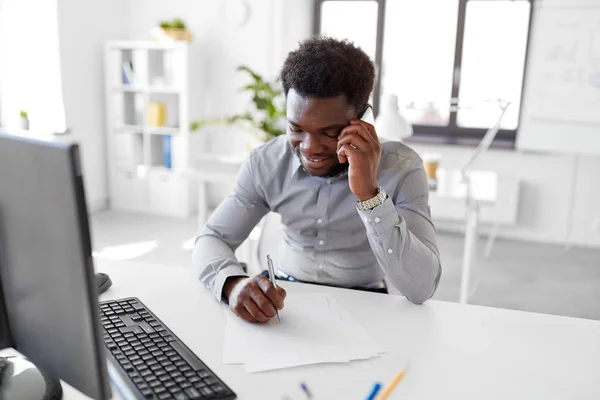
(219, 46)
(84, 27)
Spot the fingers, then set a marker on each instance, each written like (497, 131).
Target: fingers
(370, 129)
(255, 311)
(282, 292)
(256, 300)
(244, 314)
(350, 144)
(269, 290)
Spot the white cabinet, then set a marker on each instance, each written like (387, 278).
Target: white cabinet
(129, 191)
(171, 194)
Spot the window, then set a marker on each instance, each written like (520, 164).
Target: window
(30, 65)
(430, 51)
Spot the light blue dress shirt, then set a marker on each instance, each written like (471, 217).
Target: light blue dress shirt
(328, 240)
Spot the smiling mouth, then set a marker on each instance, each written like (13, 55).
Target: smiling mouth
(315, 160)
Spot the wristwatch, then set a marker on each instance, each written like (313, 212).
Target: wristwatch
(374, 202)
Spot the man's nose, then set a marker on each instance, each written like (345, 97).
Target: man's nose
(311, 144)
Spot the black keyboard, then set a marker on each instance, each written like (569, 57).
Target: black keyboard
(158, 364)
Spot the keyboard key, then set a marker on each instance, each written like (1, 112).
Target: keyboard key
(187, 356)
(111, 345)
(129, 353)
(155, 367)
(179, 379)
(185, 385)
(164, 378)
(137, 363)
(176, 374)
(147, 328)
(154, 383)
(136, 317)
(190, 373)
(169, 383)
(160, 372)
(194, 379)
(137, 380)
(135, 329)
(174, 389)
(161, 359)
(211, 380)
(152, 362)
(180, 396)
(170, 338)
(164, 396)
(127, 367)
(218, 389)
(134, 357)
(193, 393)
(145, 373)
(206, 391)
(147, 357)
(157, 353)
(203, 373)
(160, 389)
(142, 386)
(152, 348)
(143, 352)
(170, 368)
(199, 385)
(185, 368)
(147, 393)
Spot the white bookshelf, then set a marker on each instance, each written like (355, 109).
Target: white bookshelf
(141, 178)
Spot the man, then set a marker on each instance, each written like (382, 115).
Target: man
(355, 210)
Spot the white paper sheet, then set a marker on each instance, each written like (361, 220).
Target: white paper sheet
(314, 329)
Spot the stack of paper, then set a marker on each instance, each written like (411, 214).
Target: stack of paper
(314, 328)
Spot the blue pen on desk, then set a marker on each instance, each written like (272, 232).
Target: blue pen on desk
(305, 390)
(374, 391)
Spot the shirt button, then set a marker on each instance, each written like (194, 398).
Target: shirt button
(390, 251)
(319, 221)
(377, 219)
(329, 181)
(320, 267)
(321, 242)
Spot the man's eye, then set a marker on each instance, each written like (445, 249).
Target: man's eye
(295, 129)
(331, 135)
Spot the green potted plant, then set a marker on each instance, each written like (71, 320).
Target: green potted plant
(24, 120)
(266, 119)
(175, 30)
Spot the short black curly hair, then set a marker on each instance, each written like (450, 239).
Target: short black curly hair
(326, 67)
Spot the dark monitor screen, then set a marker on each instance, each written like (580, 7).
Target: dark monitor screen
(50, 311)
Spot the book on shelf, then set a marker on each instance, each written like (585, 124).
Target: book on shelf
(127, 73)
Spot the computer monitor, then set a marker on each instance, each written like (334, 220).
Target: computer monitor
(50, 311)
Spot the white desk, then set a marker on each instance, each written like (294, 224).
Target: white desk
(453, 351)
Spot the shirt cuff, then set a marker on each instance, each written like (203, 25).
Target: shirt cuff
(222, 276)
(380, 219)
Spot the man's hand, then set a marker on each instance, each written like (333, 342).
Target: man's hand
(254, 299)
(359, 145)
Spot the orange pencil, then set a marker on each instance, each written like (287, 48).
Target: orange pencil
(388, 390)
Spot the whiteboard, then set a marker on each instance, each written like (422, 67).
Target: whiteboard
(566, 82)
(561, 107)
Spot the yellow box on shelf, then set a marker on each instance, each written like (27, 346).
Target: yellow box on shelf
(156, 114)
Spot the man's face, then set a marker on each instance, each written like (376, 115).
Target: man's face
(313, 127)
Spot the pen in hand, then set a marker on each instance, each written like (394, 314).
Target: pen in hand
(272, 278)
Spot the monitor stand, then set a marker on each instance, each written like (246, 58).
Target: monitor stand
(20, 379)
